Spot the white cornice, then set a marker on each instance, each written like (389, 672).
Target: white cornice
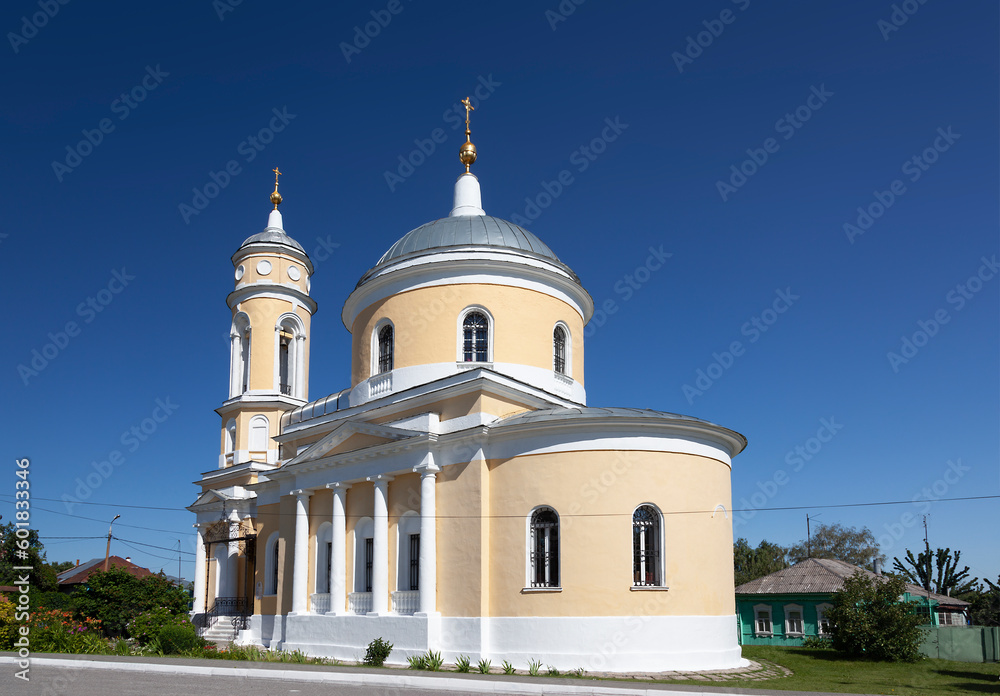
(450, 268)
(261, 400)
(276, 291)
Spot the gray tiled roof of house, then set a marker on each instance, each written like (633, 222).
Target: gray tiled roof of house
(822, 575)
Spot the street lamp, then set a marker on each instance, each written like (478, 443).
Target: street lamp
(107, 552)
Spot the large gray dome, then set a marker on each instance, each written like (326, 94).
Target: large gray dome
(467, 230)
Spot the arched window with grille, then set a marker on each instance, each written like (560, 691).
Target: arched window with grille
(271, 557)
(475, 337)
(544, 548)
(385, 349)
(646, 547)
(559, 350)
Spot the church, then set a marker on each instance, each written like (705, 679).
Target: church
(460, 495)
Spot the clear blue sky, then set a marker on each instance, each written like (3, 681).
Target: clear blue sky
(840, 97)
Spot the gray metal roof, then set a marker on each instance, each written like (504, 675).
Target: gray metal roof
(822, 575)
(583, 412)
(467, 230)
(272, 235)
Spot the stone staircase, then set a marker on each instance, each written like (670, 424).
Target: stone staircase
(222, 632)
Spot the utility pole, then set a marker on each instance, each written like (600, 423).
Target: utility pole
(808, 538)
(179, 561)
(107, 552)
(927, 582)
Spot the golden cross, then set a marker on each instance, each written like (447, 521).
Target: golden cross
(276, 173)
(468, 107)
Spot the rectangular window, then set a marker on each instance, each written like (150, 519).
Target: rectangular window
(763, 626)
(794, 622)
(414, 561)
(369, 559)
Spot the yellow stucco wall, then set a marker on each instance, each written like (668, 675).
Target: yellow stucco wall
(426, 326)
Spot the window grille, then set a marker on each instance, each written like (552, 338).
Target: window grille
(646, 547)
(559, 350)
(274, 567)
(414, 561)
(385, 349)
(475, 330)
(369, 559)
(544, 548)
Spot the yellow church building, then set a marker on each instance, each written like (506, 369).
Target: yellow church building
(460, 496)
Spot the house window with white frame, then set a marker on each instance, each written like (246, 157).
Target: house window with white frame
(793, 620)
(762, 620)
(475, 337)
(646, 522)
(544, 550)
(822, 623)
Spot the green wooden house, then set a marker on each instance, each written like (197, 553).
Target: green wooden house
(786, 607)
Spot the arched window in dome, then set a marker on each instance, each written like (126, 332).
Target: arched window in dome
(647, 556)
(543, 552)
(475, 337)
(559, 350)
(385, 349)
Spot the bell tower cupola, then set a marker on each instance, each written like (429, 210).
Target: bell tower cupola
(269, 340)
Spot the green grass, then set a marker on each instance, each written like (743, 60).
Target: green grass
(826, 670)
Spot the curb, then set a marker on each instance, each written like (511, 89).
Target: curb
(399, 681)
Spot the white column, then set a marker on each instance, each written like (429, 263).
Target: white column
(234, 365)
(300, 367)
(300, 559)
(380, 544)
(338, 550)
(428, 538)
(229, 586)
(199, 573)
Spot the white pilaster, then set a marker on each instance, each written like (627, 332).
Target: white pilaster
(300, 367)
(300, 560)
(380, 544)
(234, 365)
(199, 572)
(428, 537)
(229, 584)
(338, 550)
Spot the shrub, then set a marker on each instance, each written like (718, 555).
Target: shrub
(817, 643)
(463, 664)
(507, 667)
(57, 631)
(484, 666)
(8, 627)
(416, 662)
(148, 624)
(378, 652)
(116, 597)
(869, 620)
(433, 661)
(177, 639)
(533, 667)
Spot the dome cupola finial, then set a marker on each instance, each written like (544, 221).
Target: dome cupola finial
(276, 197)
(467, 153)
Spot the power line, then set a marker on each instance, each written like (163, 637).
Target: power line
(147, 553)
(152, 546)
(115, 505)
(96, 519)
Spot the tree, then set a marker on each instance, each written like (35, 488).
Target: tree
(985, 604)
(23, 548)
(750, 563)
(869, 620)
(116, 596)
(947, 580)
(855, 546)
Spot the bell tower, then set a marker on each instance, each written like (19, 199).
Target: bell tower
(269, 341)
